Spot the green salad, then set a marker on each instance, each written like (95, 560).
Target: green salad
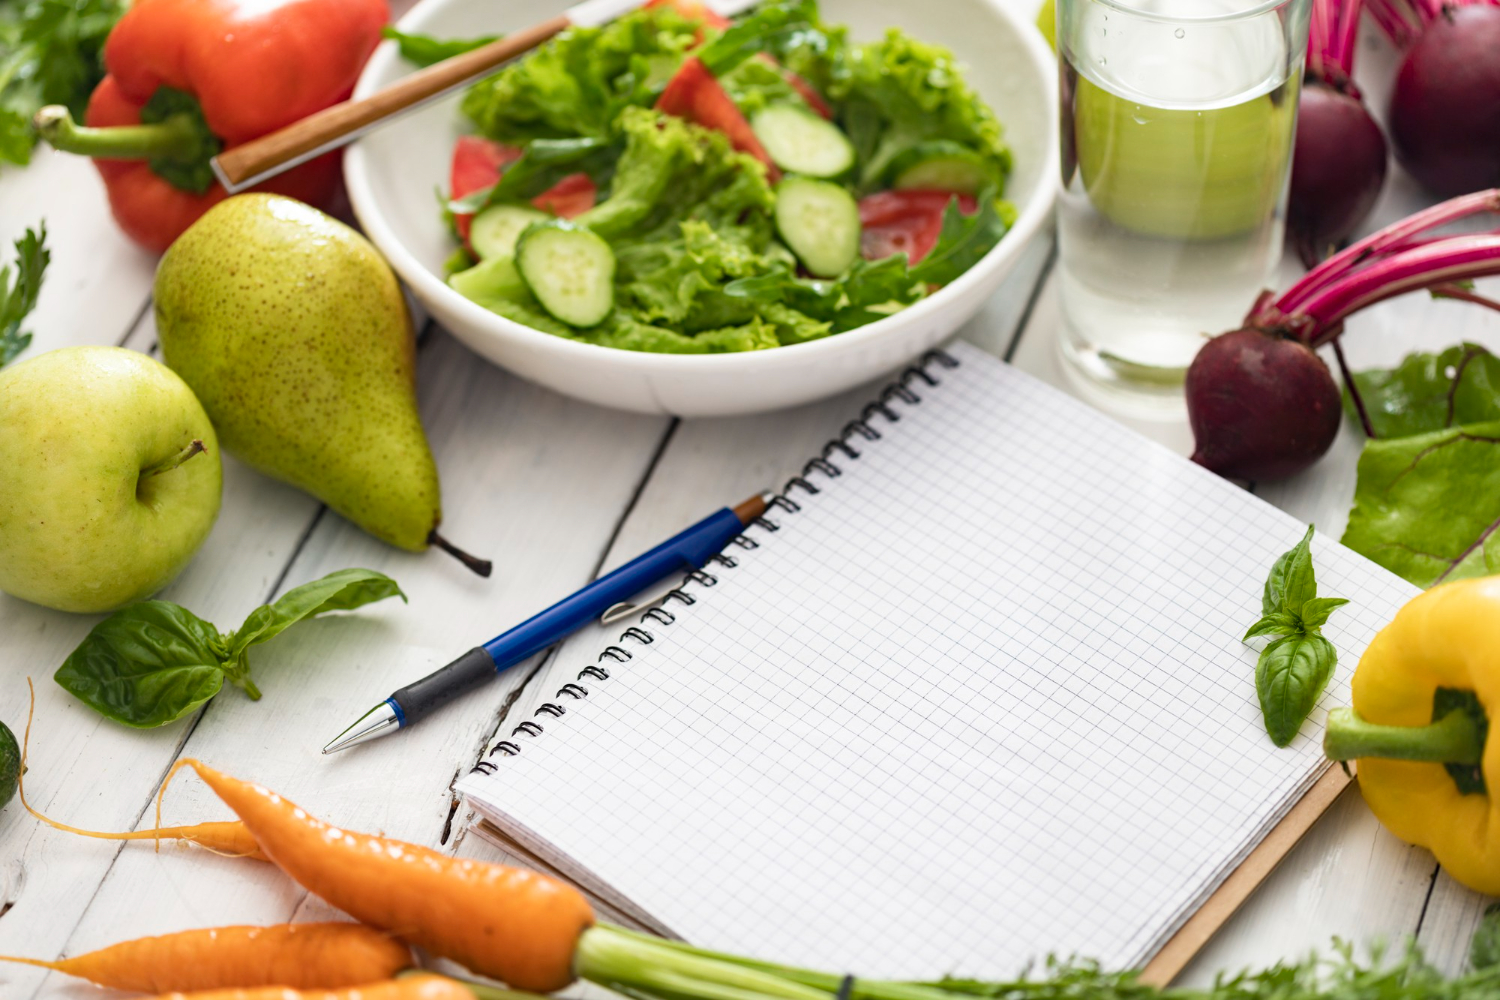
(676, 182)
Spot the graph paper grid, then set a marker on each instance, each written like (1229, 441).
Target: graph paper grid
(981, 699)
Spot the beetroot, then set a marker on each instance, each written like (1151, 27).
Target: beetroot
(1339, 161)
(1338, 168)
(1445, 107)
(1262, 404)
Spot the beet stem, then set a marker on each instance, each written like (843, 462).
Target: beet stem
(1353, 387)
(1387, 241)
(1457, 258)
(1397, 19)
(1448, 290)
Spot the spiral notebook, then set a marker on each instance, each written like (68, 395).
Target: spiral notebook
(972, 693)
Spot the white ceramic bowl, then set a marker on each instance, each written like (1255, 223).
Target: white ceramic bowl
(393, 173)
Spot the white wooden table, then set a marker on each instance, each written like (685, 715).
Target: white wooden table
(555, 491)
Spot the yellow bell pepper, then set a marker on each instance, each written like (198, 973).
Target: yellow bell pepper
(1423, 695)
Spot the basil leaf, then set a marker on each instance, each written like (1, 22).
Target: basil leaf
(1290, 677)
(341, 591)
(1290, 583)
(1430, 392)
(1276, 623)
(1316, 611)
(1428, 507)
(424, 50)
(146, 665)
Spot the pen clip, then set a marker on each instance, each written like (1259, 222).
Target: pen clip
(636, 605)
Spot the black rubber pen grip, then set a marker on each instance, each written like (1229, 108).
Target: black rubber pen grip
(443, 685)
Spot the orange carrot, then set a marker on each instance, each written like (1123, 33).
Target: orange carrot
(300, 956)
(510, 924)
(229, 838)
(411, 988)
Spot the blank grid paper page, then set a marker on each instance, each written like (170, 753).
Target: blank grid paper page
(980, 699)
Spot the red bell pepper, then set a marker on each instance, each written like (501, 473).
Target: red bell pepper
(694, 93)
(187, 78)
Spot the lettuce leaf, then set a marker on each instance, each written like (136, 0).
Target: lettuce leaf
(424, 50)
(899, 92)
(672, 171)
(576, 84)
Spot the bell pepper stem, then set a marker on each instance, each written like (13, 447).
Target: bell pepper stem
(1453, 739)
(176, 136)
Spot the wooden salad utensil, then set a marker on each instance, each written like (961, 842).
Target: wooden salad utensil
(249, 164)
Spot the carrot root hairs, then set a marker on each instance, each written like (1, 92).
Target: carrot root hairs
(229, 838)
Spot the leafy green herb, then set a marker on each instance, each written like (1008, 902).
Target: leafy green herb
(964, 239)
(1429, 392)
(1293, 669)
(51, 52)
(155, 662)
(1428, 507)
(424, 50)
(18, 295)
(1484, 947)
(768, 29)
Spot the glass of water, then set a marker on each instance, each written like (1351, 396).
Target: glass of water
(1177, 125)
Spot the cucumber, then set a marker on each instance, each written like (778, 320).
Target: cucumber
(570, 270)
(942, 166)
(801, 142)
(819, 220)
(494, 231)
(491, 281)
(10, 764)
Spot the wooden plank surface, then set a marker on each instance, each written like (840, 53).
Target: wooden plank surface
(556, 490)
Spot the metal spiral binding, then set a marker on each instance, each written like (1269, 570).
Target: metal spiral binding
(900, 391)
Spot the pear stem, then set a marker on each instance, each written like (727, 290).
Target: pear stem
(482, 567)
(195, 448)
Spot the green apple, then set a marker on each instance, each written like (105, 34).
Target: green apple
(109, 478)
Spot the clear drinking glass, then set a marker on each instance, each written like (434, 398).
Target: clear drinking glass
(1177, 125)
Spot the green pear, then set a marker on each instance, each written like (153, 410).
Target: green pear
(293, 332)
(109, 478)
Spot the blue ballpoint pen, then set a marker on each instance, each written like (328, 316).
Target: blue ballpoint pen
(686, 551)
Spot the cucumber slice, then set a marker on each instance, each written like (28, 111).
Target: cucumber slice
(490, 282)
(570, 270)
(801, 142)
(494, 232)
(819, 220)
(942, 166)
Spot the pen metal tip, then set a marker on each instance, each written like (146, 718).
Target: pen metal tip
(377, 722)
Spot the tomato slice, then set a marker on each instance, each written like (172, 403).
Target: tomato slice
(477, 163)
(693, 10)
(569, 197)
(905, 222)
(694, 93)
(809, 93)
(805, 90)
